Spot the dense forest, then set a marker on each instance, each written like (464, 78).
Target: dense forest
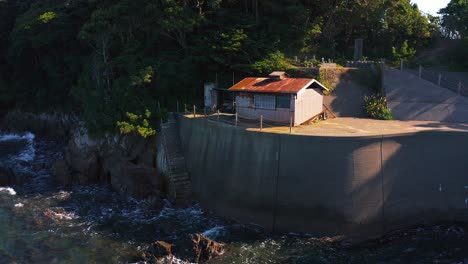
(103, 59)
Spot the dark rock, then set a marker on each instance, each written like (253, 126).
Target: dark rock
(147, 158)
(136, 180)
(126, 162)
(82, 159)
(10, 177)
(7, 177)
(54, 126)
(61, 172)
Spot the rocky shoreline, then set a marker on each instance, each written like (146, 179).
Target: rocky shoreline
(126, 163)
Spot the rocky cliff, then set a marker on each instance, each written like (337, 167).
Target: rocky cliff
(126, 162)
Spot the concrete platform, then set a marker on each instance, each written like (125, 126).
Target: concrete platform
(344, 126)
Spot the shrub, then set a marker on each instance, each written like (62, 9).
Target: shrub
(138, 124)
(275, 61)
(376, 107)
(405, 52)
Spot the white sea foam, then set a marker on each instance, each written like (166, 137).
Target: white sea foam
(61, 215)
(172, 260)
(8, 137)
(19, 205)
(7, 190)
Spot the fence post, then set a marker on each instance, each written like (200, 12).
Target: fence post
(237, 119)
(459, 88)
(218, 115)
(204, 108)
(440, 78)
(401, 64)
(290, 125)
(261, 122)
(185, 109)
(420, 71)
(177, 106)
(194, 111)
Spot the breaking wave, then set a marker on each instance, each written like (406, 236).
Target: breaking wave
(28, 153)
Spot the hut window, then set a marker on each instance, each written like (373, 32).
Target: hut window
(283, 101)
(265, 101)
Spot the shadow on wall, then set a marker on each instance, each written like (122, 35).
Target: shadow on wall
(327, 185)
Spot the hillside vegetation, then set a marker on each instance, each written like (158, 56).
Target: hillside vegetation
(107, 60)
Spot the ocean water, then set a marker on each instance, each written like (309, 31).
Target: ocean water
(43, 222)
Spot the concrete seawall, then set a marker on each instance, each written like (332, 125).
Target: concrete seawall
(358, 186)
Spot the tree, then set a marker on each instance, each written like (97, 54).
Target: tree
(455, 19)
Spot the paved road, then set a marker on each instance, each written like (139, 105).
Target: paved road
(411, 98)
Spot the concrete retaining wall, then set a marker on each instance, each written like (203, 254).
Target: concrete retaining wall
(327, 185)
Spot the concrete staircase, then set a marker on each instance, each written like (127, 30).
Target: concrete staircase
(180, 187)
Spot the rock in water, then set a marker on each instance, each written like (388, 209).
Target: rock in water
(161, 249)
(195, 248)
(205, 248)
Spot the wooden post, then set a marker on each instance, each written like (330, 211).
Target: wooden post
(237, 119)
(420, 71)
(185, 108)
(218, 115)
(440, 78)
(194, 113)
(261, 122)
(401, 64)
(204, 108)
(290, 125)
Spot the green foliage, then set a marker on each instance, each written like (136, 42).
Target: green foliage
(102, 59)
(47, 17)
(406, 53)
(455, 19)
(275, 61)
(137, 124)
(376, 107)
(458, 55)
(328, 77)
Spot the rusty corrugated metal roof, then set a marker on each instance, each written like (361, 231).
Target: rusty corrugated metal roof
(268, 85)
